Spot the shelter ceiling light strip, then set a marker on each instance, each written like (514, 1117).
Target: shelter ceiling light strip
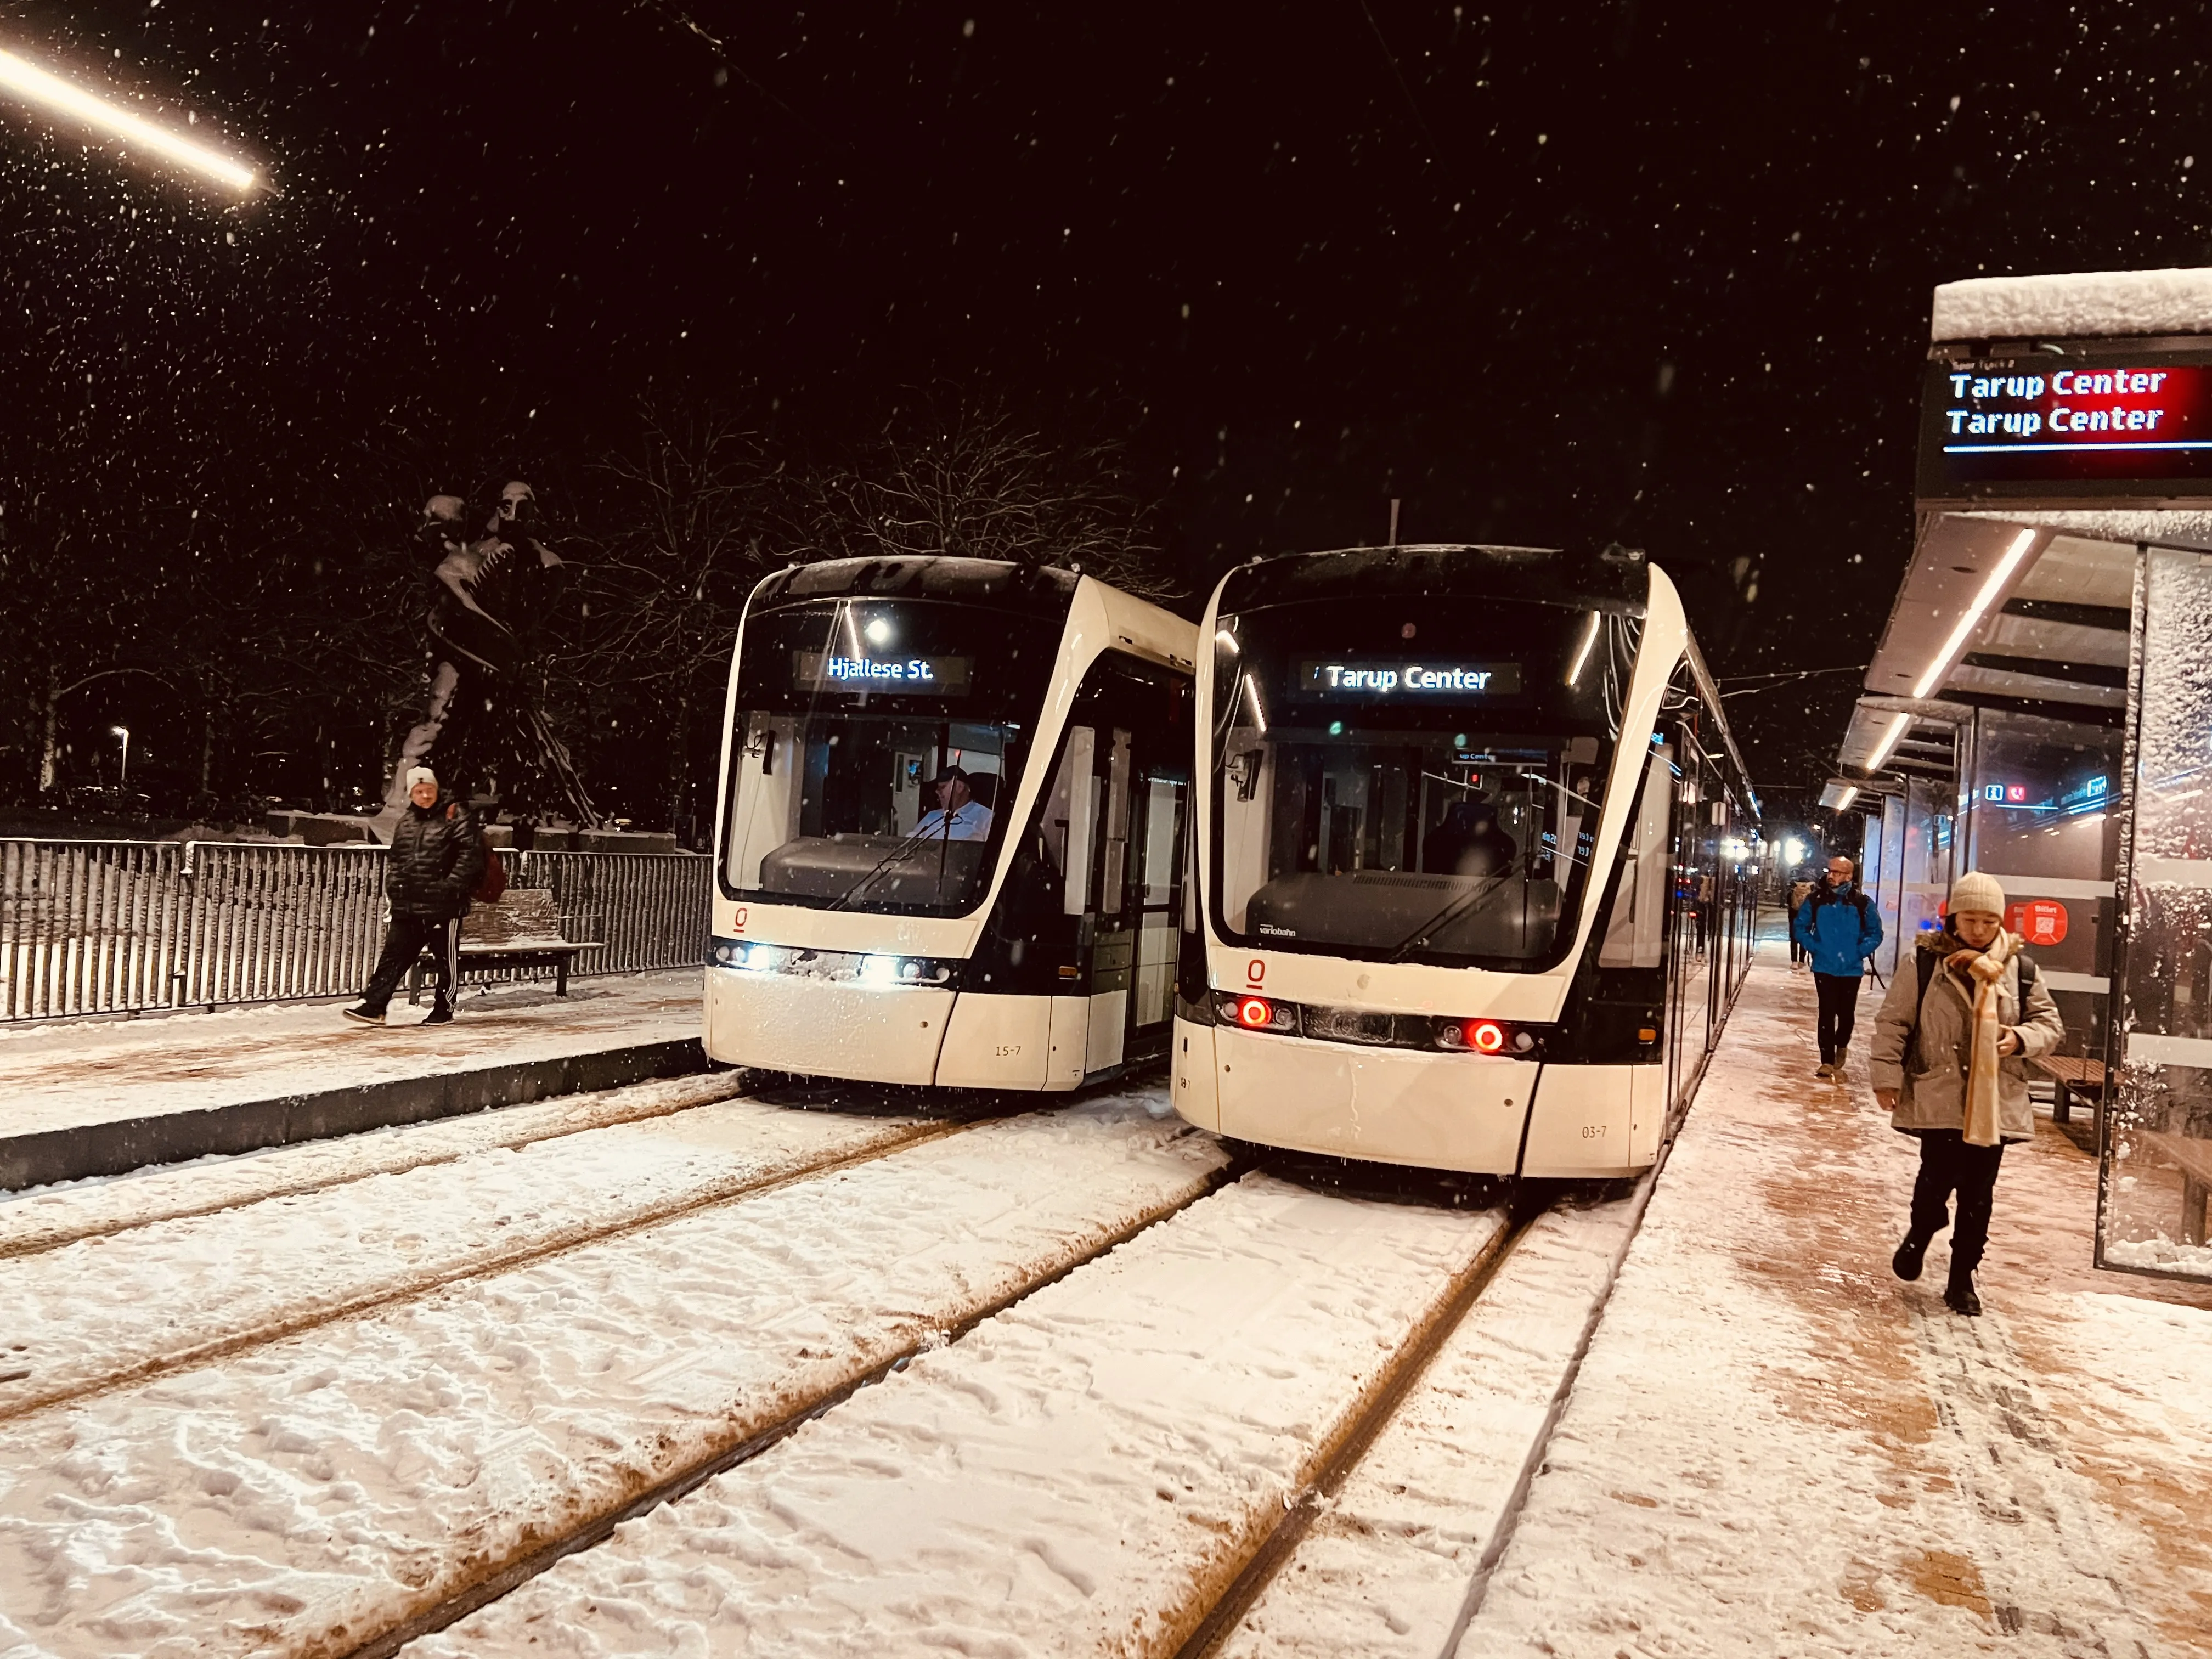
(1845, 800)
(1897, 729)
(1967, 624)
(32, 84)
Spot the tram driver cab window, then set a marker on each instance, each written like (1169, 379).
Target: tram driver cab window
(884, 744)
(1397, 787)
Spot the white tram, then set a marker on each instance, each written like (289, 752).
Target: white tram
(1473, 889)
(951, 826)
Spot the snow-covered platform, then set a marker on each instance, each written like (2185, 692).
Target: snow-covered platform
(97, 1097)
(1775, 1447)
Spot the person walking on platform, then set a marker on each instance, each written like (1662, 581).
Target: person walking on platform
(436, 859)
(1839, 931)
(1800, 891)
(1950, 1048)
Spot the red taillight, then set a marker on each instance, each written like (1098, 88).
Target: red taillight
(1485, 1037)
(1257, 1013)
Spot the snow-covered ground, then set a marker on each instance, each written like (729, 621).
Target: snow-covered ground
(41, 1218)
(1389, 1567)
(1773, 1447)
(300, 1496)
(113, 1307)
(59, 1075)
(1082, 1474)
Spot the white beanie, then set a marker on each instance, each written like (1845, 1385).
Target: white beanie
(1977, 890)
(421, 774)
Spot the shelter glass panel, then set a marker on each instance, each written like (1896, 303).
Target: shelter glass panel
(2158, 1132)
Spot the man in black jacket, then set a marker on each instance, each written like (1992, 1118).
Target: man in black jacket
(436, 859)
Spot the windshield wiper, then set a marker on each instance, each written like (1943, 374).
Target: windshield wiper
(893, 857)
(1459, 903)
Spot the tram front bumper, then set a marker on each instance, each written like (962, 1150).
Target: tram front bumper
(825, 1027)
(1437, 1111)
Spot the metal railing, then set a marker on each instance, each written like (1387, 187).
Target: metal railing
(99, 927)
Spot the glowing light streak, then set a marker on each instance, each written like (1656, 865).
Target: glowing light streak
(1897, 729)
(34, 85)
(1582, 656)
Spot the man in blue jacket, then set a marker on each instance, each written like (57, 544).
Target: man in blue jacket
(1839, 930)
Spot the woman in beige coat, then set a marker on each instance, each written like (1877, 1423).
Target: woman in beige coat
(1950, 1050)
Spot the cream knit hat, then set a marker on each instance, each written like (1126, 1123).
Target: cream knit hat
(1977, 890)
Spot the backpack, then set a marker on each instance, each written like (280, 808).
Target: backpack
(491, 884)
(1924, 963)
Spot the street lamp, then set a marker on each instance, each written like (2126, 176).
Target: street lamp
(124, 776)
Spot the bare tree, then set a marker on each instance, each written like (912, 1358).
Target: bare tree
(953, 476)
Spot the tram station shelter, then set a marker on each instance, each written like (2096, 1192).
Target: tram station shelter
(2040, 704)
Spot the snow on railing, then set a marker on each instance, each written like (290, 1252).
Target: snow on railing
(94, 927)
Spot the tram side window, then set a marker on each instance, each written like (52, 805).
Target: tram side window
(1126, 734)
(1636, 935)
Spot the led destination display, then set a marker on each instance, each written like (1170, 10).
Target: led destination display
(935, 677)
(1405, 678)
(2046, 421)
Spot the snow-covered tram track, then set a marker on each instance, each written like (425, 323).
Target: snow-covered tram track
(113, 1311)
(46, 1218)
(322, 1495)
(1093, 1470)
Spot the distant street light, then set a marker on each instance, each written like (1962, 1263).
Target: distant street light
(27, 81)
(123, 777)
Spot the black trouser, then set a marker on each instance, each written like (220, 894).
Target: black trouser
(402, 943)
(1948, 1165)
(1839, 1008)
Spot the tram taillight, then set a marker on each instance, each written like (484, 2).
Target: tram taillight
(1485, 1036)
(1258, 1013)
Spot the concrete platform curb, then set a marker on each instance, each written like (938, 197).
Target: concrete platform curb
(126, 1143)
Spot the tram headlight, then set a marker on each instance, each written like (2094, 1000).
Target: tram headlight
(879, 970)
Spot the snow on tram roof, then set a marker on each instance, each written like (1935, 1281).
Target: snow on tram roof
(2084, 305)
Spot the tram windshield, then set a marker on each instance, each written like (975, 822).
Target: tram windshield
(1395, 787)
(877, 751)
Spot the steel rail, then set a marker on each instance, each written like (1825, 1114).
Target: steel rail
(500, 1579)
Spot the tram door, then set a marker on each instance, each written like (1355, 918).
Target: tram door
(1129, 810)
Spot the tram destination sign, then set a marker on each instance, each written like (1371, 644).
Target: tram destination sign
(1405, 678)
(2055, 426)
(929, 677)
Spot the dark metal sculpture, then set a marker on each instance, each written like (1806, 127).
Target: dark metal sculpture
(482, 726)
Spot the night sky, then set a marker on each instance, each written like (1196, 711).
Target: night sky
(1653, 274)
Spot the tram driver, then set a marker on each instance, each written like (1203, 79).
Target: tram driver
(959, 815)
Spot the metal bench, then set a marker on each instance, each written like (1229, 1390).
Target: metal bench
(2193, 1157)
(522, 932)
(2073, 1075)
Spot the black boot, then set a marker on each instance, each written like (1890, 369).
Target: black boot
(1905, 1264)
(441, 1011)
(1959, 1295)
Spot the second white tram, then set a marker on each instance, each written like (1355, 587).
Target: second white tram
(951, 826)
(1473, 888)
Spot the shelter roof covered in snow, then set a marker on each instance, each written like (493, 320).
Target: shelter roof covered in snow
(2077, 306)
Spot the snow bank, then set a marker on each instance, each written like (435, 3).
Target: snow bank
(310, 1493)
(57, 1076)
(40, 1218)
(1387, 1568)
(1079, 1475)
(2077, 306)
(115, 1307)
